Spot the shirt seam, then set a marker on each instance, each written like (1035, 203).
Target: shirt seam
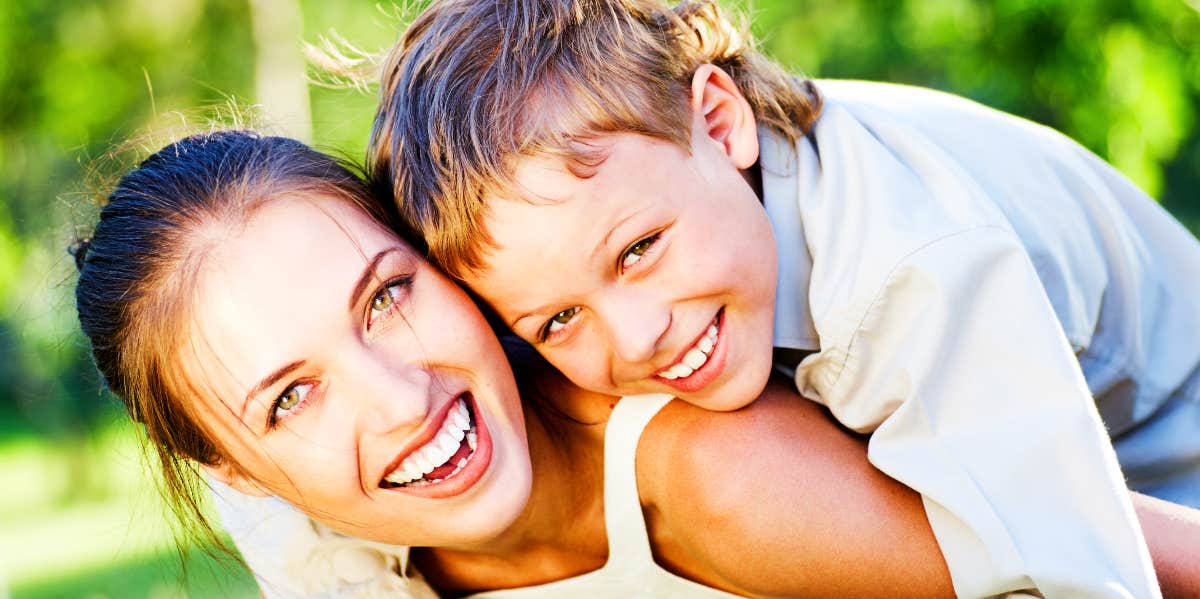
(841, 367)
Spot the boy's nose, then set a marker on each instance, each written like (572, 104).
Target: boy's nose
(636, 325)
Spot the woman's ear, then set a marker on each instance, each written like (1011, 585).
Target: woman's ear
(724, 115)
(230, 476)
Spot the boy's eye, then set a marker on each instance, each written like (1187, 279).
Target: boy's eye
(637, 250)
(560, 320)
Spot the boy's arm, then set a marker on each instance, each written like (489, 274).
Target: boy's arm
(1173, 533)
(977, 402)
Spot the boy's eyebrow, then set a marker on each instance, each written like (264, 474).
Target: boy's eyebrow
(513, 325)
(267, 382)
(608, 236)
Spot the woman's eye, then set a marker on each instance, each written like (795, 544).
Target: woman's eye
(289, 401)
(385, 300)
(560, 320)
(637, 250)
(382, 301)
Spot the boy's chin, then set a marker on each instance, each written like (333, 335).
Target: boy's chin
(739, 391)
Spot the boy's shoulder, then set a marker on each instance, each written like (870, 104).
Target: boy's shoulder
(891, 173)
(946, 116)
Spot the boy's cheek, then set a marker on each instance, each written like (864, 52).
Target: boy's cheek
(585, 368)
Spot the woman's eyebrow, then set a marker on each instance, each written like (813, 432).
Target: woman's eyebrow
(367, 275)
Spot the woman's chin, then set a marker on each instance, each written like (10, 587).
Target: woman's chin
(500, 504)
(473, 519)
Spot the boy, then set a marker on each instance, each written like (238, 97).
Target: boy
(598, 170)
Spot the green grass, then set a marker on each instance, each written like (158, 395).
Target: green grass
(80, 518)
(152, 577)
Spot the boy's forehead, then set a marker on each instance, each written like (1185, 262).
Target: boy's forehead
(604, 163)
(540, 180)
(548, 252)
(557, 225)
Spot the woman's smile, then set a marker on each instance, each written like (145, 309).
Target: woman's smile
(451, 454)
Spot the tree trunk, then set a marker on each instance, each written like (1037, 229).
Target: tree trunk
(281, 82)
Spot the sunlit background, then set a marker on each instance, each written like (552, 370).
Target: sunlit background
(78, 517)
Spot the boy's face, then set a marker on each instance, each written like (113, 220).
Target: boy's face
(655, 275)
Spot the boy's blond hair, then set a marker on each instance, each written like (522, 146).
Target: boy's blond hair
(475, 85)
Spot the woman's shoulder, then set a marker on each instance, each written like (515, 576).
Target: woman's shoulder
(777, 498)
(780, 434)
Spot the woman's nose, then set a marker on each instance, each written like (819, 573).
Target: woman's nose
(392, 396)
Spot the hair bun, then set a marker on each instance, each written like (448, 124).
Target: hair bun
(79, 250)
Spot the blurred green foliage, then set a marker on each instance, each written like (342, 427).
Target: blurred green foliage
(1120, 76)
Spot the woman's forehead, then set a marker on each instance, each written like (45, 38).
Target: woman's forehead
(279, 288)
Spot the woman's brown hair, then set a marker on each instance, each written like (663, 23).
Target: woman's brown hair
(137, 271)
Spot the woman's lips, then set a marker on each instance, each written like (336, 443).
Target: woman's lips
(452, 459)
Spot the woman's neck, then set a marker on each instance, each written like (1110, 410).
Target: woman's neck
(560, 533)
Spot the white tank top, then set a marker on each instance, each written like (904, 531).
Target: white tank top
(630, 571)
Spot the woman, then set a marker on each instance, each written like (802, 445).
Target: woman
(246, 300)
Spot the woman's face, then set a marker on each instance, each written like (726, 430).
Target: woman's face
(348, 376)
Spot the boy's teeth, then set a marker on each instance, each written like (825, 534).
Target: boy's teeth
(695, 357)
(437, 451)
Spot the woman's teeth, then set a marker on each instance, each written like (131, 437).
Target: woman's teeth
(438, 451)
(695, 357)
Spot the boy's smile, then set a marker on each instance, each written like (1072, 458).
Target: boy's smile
(654, 274)
(702, 362)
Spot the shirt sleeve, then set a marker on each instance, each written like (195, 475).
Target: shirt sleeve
(959, 366)
(293, 557)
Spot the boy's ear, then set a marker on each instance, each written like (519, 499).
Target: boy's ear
(725, 115)
(226, 473)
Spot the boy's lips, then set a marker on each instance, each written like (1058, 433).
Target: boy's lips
(702, 362)
(451, 453)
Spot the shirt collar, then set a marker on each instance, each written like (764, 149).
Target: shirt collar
(784, 168)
